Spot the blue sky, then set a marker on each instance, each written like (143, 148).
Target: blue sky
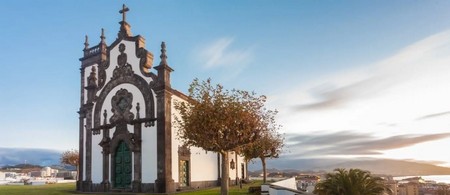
(373, 69)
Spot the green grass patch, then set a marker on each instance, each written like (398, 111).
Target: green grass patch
(69, 188)
(50, 189)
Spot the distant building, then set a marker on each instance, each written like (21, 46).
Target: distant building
(10, 174)
(49, 172)
(410, 188)
(393, 186)
(417, 180)
(2, 176)
(37, 173)
(67, 174)
(304, 181)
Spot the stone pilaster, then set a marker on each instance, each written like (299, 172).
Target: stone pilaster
(164, 182)
(88, 144)
(137, 181)
(80, 152)
(81, 117)
(106, 184)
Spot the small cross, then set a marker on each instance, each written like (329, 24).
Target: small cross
(123, 12)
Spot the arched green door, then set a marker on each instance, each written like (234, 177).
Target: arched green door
(122, 162)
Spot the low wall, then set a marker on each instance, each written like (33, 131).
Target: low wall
(283, 187)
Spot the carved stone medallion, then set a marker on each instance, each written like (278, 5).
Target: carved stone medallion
(121, 105)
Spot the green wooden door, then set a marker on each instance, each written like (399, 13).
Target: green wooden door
(122, 164)
(184, 173)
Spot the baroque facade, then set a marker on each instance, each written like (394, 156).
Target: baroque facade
(127, 141)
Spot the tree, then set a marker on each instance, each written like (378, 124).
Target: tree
(351, 182)
(219, 120)
(268, 145)
(70, 157)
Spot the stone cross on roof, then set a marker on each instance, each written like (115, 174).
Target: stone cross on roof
(123, 12)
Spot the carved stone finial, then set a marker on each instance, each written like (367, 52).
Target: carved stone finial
(137, 110)
(125, 29)
(163, 55)
(92, 78)
(105, 115)
(91, 85)
(86, 43)
(123, 11)
(102, 36)
(163, 69)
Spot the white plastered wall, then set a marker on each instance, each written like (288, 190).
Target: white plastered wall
(203, 165)
(237, 164)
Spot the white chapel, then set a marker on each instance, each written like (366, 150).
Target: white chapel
(127, 141)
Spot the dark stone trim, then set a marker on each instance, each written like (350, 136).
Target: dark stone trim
(181, 95)
(146, 188)
(164, 182)
(82, 116)
(88, 144)
(135, 80)
(123, 135)
(80, 153)
(87, 186)
(184, 153)
(137, 159)
(105, 144)
(198, 185)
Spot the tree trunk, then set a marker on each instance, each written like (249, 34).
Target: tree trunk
(225, 174)
(263, 162)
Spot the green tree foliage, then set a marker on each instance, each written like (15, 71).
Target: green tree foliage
(351, 182)
(268, 145)
(219, 120)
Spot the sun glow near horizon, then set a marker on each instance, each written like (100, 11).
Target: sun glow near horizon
(406, 95)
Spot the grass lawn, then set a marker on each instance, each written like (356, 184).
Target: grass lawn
(65, 189)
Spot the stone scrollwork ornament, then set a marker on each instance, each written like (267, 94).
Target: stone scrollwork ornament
(121, 105)
(122, 58)
(123, 69)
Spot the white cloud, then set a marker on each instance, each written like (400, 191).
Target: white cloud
(410, 84)
(222, 54)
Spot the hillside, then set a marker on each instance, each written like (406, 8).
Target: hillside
(377, 166)
(42, 157)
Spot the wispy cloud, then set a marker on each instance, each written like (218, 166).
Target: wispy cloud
(422, 62)
(223, 53)
(387, 101)
(346, 143)
(434, 115)
(332, 97)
